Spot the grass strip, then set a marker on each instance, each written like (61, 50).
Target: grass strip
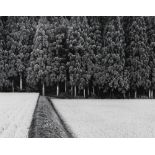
(46, 123)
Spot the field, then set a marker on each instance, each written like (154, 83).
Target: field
(16, 111)
(20, 117)
(108, 118)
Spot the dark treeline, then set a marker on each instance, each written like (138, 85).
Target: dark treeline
(103, 57)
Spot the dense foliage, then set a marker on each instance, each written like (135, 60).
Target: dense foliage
(103, 57)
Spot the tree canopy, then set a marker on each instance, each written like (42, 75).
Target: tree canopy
(80, 56)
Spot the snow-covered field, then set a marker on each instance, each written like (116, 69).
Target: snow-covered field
(16, 110)
(108, 118)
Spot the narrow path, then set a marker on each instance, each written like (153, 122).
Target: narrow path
(46, 123)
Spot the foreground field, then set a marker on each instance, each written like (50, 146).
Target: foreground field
(108, 118)
(16, 111)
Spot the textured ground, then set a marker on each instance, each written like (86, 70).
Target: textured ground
(46, 122)
(108, 118)
(16, 110)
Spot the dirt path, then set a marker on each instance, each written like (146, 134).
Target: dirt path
(46, 122)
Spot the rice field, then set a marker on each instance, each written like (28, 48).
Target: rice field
(108, 118)
(16, 111)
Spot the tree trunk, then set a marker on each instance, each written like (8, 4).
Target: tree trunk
(13, 89)
(152, 93)
(88, 91)
(78, 91)
(75, 91)
(57, 89)
(93, 90)
(84, 93)
(129, 95)
(124, 95)
(135, 93)
(65, 86)
(43, 89)
(21, 82)
(149, 93)
(71, 90)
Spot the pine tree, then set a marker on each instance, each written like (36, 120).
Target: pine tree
(150, 23)
(3, 58)
(25, 40)
(73, 43)
(78, 44)
(11, 49)
(19, 40)
(112, 74)
(57, 33)
(138, 55)
(96, 43)
(38, 72)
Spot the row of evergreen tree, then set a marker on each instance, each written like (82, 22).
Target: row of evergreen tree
(81, 56)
